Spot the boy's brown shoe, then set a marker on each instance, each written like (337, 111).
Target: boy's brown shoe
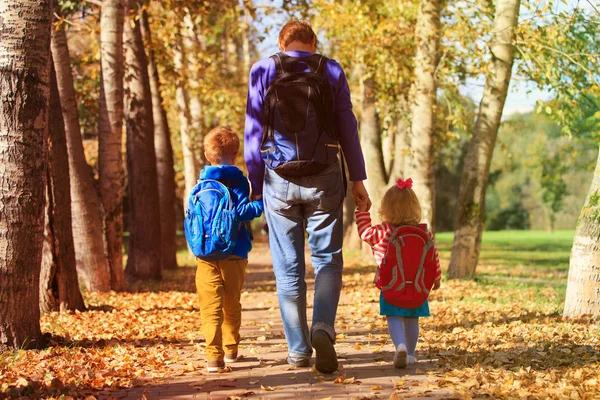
(215, 365)
(231, 358)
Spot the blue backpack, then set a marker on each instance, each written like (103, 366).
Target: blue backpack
(299, 133)
(211, 222)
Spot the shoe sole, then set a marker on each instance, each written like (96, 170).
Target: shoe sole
(326, 357)
(300, 364)
(400, 360)
(230, 360)
(212, 369)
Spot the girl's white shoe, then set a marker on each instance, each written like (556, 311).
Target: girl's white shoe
(400, 357)
(411, 360)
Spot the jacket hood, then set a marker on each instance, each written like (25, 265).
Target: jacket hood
(221, 172)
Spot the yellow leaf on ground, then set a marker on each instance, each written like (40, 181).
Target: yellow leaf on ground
(270, 388)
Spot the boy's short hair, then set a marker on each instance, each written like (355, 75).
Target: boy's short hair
(296, 30)
(220, 144)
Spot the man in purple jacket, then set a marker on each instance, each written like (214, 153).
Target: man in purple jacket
(313, 203)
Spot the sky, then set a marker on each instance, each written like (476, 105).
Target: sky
(522, 95)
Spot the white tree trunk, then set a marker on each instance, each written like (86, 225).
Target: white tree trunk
(583, 285)
(470, 215)
(190, 168)
(370, 140)
(426, 61)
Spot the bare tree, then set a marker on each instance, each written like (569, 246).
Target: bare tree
(144, 255)
(421, 141)
(164, 158)
(59, 288)
(583, 284)
(24, 101)
(92, 263)
(110, 133)
(470, 215)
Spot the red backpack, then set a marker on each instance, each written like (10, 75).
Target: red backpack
(408, 269)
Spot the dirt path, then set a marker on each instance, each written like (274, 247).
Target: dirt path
(365, 354)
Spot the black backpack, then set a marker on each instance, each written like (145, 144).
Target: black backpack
(299, 133)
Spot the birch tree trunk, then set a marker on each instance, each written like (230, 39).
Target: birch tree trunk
(92, 263)
(190, 168)
(470, 215)
(370, 141)
(423, 126)
(164, 158)
(110, 136)
(583, 285)
(144, 255)
(59, 288)
(24, 101)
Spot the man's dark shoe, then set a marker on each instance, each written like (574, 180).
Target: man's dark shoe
(326, 357)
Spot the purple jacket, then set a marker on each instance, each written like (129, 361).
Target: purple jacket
(262, 75)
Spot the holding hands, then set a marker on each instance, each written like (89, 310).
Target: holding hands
(361, 197)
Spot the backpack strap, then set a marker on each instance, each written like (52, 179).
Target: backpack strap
(283, 63)
(397, 268)
(420, 277)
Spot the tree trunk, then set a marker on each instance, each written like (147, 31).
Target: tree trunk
(401, 142)
(110, 136)
(144, 255)
(92, 264)
(583, 285)
(164, 158)
(370, 140)
(59, 288)
(470, 215)
(24, 101)
(423, 126)
(190, 169)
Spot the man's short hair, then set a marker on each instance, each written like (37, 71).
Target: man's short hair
(220, 144)
(296, 30)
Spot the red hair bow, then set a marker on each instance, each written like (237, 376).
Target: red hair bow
(404, 183)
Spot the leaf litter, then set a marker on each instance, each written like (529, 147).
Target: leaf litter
(480, 342)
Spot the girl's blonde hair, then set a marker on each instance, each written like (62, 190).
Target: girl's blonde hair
(400, 207)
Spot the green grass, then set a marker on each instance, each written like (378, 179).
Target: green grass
(535, 249)
(535, 261)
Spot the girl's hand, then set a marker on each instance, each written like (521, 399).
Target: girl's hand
(436, 284)
(362, 206)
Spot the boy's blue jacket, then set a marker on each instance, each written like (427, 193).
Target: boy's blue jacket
(247, 210)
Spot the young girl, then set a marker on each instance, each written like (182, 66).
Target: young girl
(399, 206)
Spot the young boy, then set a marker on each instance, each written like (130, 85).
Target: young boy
(219, 283)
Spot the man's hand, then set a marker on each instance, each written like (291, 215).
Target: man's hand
(361, 197)
(436, 284)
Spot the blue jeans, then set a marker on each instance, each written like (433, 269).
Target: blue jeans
(314, 203)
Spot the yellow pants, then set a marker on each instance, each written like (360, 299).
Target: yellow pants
(219, 285)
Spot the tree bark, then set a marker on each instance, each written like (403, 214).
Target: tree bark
(164, 158)
(370, 140)
(92, 263)
(110, 136)
(59, 288)
(401, 142)
(144, 255)
(24, 101)
(470, 216)
(423, 126)
(190, 168)
(583, 285)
